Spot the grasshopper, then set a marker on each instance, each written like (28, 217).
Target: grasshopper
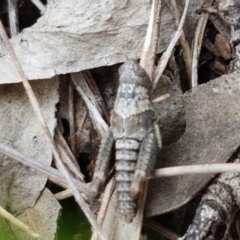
(133, 130)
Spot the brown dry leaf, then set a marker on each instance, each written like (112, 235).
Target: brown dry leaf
(76, 35)
(212, 135)
(21, 186)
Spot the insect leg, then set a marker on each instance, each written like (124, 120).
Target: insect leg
(102, 163)
(145, 163)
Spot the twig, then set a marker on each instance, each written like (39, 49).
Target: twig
(187, 54)
(53, 174)
(99, 123)
(197, 169)
(104, 204)
(95, 90)
(13, 17)
(162, 230)
(166, 55)
(38, 112)
(39, 5)
(72, 120)
(151, 40)
(63, 194)
(198, 43)
(18, 223)
(67, 155)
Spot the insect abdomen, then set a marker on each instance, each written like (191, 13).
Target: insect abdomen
(126, 159)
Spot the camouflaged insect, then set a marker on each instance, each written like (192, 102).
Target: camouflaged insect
(133, 131)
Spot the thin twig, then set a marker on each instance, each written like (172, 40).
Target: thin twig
(104, 204)
(63, 194)
(38, 112)
(100, 104)
(213, 168)
(39, 5)
(18, 223)
(53, 174)
(151, 40)
(166, 55)
(67, 155)
(99, 123)
(13, 17)
(72, 120)
(187, 54)
(198, 43)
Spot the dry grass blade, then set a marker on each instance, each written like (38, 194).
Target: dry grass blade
(18, 223)
(38, 112)
(91, 103)
(213, 168)
(187, 54)
(198, 43)
(151, 40)
(104, 204)
(166, 55)
(67, 155)
(72, 124)
(39, 5)
(13, 17)
(53, 174)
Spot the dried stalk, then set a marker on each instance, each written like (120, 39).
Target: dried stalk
(18, 223)
(72, 124)
(13, 17)
(38, 112)
(90, 101)
(187, 54)
(104, 204)
(166, 55)
(39, 5)
(151, 40)
(53, 174)
(213, 168)
(67, 156)
(198, 43)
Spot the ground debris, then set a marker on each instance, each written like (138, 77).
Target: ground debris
(219, 204)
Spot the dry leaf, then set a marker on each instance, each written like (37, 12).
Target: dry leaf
(212, 135)
(21, 186)
(76, 35)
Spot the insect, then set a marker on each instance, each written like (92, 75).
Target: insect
(133, 130)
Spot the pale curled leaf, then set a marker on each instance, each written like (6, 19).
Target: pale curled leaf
(76, 35)
(212, 116)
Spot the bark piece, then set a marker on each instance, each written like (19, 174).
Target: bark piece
(76, 35)
(212, 116)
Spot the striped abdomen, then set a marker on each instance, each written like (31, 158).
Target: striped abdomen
(126, 159)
